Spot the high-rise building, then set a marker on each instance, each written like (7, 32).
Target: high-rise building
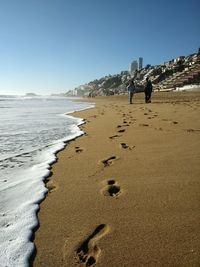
(133, 66)
(140, 61)
(136, 65)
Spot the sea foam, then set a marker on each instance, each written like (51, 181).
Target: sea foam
(23, 172)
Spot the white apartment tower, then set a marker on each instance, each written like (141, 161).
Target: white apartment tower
(133, 66)
(136, 65)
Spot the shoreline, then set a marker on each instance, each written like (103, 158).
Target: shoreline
(24, 172)
(117, 195)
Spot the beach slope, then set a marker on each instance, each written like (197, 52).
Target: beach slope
(127, 192)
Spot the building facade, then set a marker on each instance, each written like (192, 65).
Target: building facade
(136, 65)
(140, 63)
(133, 66)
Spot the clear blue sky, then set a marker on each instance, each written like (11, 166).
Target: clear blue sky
(49, 46)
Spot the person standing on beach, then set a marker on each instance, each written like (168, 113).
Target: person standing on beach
(148, 90)
(131, 90)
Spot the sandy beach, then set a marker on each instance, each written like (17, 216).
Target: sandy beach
(126, 193)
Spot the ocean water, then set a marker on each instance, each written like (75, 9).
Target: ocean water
(32, 130)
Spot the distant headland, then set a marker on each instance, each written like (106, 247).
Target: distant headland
(31, 94)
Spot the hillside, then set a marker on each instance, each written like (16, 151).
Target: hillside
(171, 75)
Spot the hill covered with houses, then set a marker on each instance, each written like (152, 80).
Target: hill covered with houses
(172, 75)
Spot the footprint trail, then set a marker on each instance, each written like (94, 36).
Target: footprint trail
(88, 252)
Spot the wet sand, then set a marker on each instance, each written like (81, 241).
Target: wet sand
(127, 193)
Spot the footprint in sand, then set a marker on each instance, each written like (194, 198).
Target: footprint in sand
(88, 252)
(107, 162)
(114, 136)
(51, 187)
(119, 126)
(144, 124)
(112, 189)
(192, 130)
(121, 131)
(174, 122)
(78, 149)
(94, 116)
(125, 146)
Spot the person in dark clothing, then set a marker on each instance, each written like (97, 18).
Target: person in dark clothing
(148, 90)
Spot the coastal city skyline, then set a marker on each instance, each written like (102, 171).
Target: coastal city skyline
(136, 64)
(56, 46)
